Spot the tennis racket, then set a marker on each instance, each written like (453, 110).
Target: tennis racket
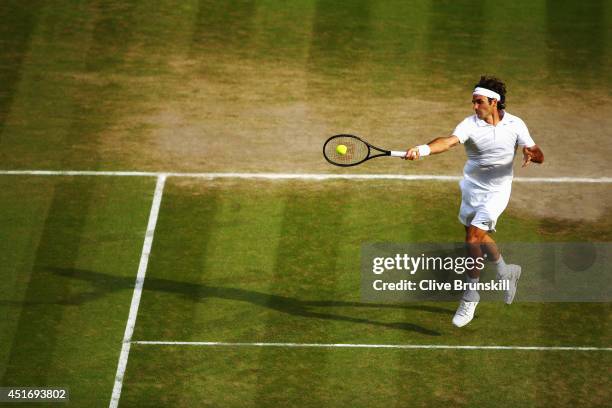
(357, 151)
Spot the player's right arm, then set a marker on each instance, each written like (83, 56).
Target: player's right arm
(438, 145)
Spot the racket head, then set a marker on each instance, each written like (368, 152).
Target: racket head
(357, 151)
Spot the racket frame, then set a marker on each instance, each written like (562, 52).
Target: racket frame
(383, 152)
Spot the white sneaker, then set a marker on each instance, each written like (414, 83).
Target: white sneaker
(465, 313)
(512, 273)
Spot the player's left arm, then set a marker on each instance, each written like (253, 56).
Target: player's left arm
(532, 154)
(531, 151)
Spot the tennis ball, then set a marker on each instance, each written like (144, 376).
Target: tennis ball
(341, 149)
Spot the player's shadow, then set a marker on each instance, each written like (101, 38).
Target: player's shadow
(102, 284)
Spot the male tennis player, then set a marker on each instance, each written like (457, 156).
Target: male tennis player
(491, 137)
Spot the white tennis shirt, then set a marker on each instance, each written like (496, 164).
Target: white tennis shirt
(491, 150)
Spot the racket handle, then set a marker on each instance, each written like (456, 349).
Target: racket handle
(395, 153)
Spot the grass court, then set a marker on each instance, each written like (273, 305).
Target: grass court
(256, 86)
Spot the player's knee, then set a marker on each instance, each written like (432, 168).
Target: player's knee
(472, 240)
(475, 236)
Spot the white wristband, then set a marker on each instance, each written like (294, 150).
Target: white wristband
(424, 150)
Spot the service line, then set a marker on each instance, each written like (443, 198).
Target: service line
(368, 346)
(295, 176)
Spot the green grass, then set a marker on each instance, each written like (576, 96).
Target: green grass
(208, 86)
(268, 261)
(56, 329)
(251, 377)
(280, 263)
(78, 74)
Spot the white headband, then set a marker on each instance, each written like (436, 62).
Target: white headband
(486, 92)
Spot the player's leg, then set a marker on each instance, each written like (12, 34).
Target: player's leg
(478, 244)
(485, 219)
(470, 297)
(478, 213)
(489, 247)
(470, 200)
(475, 236)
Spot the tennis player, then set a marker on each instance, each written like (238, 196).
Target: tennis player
(490, 137)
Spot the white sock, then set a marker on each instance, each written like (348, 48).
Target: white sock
(501, 267)
(470, 295)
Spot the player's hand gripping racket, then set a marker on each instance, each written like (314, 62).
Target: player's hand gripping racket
(349, 150)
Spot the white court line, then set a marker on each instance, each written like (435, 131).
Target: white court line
(140, 277)
(294, 176)
(80, 173)
(385, 346)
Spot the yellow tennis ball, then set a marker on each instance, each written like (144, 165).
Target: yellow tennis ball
(341, 149)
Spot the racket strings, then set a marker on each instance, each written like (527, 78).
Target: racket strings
(356, 150)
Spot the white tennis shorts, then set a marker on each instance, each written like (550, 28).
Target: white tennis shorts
(481, 208)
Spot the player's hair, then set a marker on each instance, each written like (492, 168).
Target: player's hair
(496, 85)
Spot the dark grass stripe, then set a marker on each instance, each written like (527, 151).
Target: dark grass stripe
(67, 115)
(340, 36)
(67, 318)
(31, 356)
(18, 22)
(113, 30)
(223, 27)
(18, 220)
(96, 104)
(455, 39)
(575, 32)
